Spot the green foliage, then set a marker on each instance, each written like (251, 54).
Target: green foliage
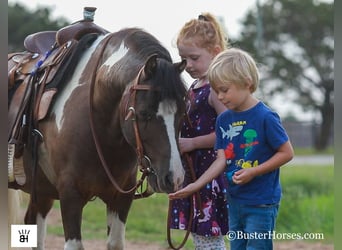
(22, 22)
(295, 43)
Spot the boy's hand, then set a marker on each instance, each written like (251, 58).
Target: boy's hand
(183, 193)
(244, 176)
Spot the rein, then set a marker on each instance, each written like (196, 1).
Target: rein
(195, 200)
(131, 111)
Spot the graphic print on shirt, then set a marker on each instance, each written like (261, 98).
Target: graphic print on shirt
(231, 132)
(250, 136)
(229, 153)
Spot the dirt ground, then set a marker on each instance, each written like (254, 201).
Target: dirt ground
(56, 243)
(53, 242)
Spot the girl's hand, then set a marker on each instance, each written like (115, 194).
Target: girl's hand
(185, 145)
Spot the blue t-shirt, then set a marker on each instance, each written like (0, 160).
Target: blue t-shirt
(248, 139)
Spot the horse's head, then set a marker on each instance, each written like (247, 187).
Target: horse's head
(153, 108)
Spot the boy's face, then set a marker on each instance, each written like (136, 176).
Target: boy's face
(234, 96)
(198, 59)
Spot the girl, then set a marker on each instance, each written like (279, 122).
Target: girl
(198, 42)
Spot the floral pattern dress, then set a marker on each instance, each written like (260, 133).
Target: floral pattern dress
(202, 119)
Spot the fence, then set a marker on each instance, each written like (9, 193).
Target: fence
(303, 134)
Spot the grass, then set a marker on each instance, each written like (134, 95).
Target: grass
(312, 151)
(307, 206)
(308, 200)
(146, 222)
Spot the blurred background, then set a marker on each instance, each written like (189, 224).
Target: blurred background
(293, 42)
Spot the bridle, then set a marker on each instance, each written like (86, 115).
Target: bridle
(128, 112)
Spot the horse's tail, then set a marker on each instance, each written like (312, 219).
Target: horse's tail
(14, 201)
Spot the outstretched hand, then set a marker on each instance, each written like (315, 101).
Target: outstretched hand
(183, 193)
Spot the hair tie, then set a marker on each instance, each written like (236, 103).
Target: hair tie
(203, 18)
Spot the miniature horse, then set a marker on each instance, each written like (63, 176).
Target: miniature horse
(119, 110)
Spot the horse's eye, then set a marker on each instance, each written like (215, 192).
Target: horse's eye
(146, 116)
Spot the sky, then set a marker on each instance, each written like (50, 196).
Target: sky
(161, 18)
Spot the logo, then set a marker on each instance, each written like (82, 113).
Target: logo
(23, 235)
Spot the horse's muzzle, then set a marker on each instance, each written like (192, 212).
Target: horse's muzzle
(165, 184)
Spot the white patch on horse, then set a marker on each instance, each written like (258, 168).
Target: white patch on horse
(168, 110)
(73, 245)
(116, 237)
(41, 231)
(64, 95)
(115, 57)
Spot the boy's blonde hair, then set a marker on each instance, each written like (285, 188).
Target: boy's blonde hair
(233, 66)
(206, 31)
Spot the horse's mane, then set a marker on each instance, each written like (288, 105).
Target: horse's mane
(168, 82)
(145, 44)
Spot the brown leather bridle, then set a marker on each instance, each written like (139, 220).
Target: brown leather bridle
(129, 112)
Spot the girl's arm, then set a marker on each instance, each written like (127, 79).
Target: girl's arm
(215, 102)
(204, 141)
(216, 168)
(190, 144)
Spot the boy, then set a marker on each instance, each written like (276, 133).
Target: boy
(251, 146)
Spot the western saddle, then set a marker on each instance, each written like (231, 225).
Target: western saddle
(36, 75)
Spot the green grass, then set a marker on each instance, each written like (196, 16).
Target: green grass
(146, 222)
(308, 200)
(307, 206)
(312, 151)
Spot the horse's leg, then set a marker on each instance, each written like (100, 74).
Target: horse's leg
(14, 197)
(36, 214)
(71, 209)
(117, 212)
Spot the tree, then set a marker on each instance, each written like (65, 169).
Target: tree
(296, 44)
(22, 22)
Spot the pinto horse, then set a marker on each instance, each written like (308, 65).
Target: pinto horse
(120, 110)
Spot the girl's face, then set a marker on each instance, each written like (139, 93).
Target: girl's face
(198, 59)
(233, 96)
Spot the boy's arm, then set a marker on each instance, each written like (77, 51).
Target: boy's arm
(283, 155)
(216, 168)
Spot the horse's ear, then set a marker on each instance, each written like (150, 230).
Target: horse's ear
(150, 66)
(180, 66)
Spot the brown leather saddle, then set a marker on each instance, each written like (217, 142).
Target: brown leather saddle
(36, 75)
